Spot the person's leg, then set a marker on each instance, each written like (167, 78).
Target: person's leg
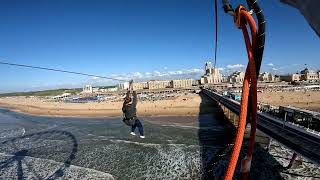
(133, 128)
(140, 127)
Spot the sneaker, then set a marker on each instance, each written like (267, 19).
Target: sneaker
(142, 137)
(133, 134)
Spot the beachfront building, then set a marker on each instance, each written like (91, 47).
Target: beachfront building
(304, 75)
(276, 78)
(87, 89)
(153, 84)
(182, 83)
(108, 90)
(266, 77)
(62, 96)
(236, 77)
(95, 90)
(123, 86)
(291, 77)
(140, 85)
(212, 75)
(309, 75)
(195, 82)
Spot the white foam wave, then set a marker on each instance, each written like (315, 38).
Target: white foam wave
(23, 131)
(35, 168)
(150, 144)
(180, 126)
(136, 143)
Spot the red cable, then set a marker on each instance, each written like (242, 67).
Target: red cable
(249, 84)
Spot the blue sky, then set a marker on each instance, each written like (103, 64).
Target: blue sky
(159, 39)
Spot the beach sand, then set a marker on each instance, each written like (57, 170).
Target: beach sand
(182, 105)
(307, 100)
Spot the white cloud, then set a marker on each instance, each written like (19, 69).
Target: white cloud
(137, 75)
(95, 78)
(157, 72)
(221, 69)
(275, 69)
(196, 70)
(157, 75)
(179, 72)
(234, 66)
(270, 64)
(171, 72)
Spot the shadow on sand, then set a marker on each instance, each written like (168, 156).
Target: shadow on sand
(215, 139)
(18, 148)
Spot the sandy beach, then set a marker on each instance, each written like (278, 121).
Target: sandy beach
(308, 100)
(182, 105)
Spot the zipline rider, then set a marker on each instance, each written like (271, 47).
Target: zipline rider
(129, 110)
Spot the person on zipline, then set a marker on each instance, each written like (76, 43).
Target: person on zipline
(130, 111)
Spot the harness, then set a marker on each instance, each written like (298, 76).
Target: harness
(129, 121)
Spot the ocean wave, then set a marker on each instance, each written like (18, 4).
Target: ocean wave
(39, 168)
(180, 126)
(150, 144)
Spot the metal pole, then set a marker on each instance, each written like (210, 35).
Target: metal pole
(285, 119)
(269, 144)
(294, 157)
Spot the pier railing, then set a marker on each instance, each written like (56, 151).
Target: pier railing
(295, 138)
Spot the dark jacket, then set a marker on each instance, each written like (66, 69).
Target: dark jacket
(130, 110)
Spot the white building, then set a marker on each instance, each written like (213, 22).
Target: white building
(182, 83)
(140, 85)
(304, 75)
(87, 89)
(290, 77)
(309, 75)
(61, 97)
(123, 86)
(236, 77)
(158, 84)
(266, 77)
(212, 75)
(111, 89)
(95, 89)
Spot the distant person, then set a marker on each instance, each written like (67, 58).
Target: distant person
(130, 112)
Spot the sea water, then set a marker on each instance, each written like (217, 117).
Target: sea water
(190, 147)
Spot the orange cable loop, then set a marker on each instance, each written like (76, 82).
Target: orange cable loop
(249, 86)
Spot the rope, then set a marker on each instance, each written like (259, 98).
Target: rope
(58, 70)
(249, 85)
(216, 39)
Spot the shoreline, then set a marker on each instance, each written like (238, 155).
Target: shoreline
(96, 116)
(93, 116)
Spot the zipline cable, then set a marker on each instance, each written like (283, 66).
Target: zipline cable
(216, 38)
(59, 70)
